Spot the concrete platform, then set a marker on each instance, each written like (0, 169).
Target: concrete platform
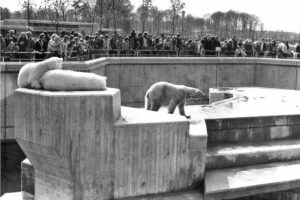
(228, 155)
(251, 180)
(252, 102)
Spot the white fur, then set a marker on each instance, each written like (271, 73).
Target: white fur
(31, 73)
(67, 80)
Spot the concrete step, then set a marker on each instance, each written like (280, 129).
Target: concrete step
(251, 180)
(256, 128)
(253, 153)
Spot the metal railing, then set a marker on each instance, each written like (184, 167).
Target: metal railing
(98, 53)
(24, 56)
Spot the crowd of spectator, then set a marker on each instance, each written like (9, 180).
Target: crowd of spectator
(74, 45)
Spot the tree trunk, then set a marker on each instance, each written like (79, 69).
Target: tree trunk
(56, 21)
(101, 14)
(114, 14)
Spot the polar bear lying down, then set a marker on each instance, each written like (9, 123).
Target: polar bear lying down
(68, 80)
(49, 75)
(31, 73)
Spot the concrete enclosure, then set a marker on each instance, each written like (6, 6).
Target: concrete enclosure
(133, 76)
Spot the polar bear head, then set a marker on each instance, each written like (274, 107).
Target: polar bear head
(51, 63)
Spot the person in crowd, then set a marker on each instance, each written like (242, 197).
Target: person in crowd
(22, 42)
(55, 46)
(40, 47)
(47, 38)
(178, 43)
(248, 48)
(12, 47)
(134, 39)
(125, 44)
(272, 49)
(51, 41)
(234, 44)
(2, 43)
(140, 41)
(119, 43)
(30, 43)
(204, 43)
(167, 43)
(263, 48)
(130, 38)
(229, 48)
(150, 42)
(106, 42)
(65, 47)
(217, 45)
(80, 47)
(99, 41)
(86, 45)
(297, 49)
(10, 37)
(113, 42)
(173, 43)
(144, 41)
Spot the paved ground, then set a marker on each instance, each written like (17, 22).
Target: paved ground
(247, 102)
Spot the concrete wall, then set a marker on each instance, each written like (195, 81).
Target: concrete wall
(133, 76)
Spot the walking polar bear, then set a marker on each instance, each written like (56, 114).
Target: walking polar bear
(171, 95)
(49, 75)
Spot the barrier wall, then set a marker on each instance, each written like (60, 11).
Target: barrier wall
(133, 76)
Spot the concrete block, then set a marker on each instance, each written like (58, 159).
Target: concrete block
(157, 153)
(68, 137)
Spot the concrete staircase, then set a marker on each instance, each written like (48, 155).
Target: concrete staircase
(253, 155)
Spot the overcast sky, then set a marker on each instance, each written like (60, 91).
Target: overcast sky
(275, 14)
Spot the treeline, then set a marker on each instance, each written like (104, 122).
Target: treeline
(119, 14)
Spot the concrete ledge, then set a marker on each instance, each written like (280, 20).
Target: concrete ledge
(251, 180)
(229, 155)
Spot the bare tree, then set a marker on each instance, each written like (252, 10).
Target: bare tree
(145, 10)
(88, 11)
(57, 10)
(5, 13)
(176, 8)
(253, 24)
(28, 7)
